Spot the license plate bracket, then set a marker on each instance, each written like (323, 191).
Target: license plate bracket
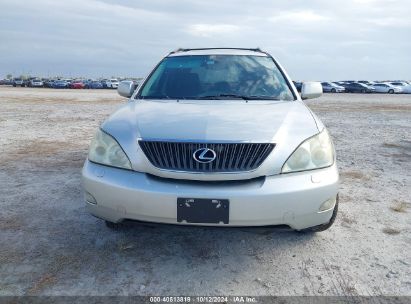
(203, 211)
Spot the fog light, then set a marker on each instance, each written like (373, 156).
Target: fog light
(90, 199)
(328, 204)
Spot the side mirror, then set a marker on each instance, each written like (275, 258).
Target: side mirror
(311, 89)
(126, 88)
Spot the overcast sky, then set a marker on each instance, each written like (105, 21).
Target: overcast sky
(313, 40)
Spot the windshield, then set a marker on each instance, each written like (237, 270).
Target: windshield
(216, 77)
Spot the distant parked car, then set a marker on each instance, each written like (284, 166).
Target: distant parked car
(27, 82)
(18, 82)
(104, 83)
(61, 84)
(69, 81)
(355, 87)
(49, 83)
(298, 85)
(332, 87)
(95, 85)
(112, 83)
(35, 83)
(6, 82)
(405, 86)
(86, 83)
(77, 85)
(386, 88)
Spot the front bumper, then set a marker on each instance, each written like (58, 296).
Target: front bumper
(290, 199)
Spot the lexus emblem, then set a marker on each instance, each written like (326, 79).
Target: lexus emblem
(204, 155)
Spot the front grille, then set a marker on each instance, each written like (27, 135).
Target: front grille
(230, 157)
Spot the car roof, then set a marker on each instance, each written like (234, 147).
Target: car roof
(217, 51)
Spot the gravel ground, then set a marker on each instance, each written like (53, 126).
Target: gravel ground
(49, 245)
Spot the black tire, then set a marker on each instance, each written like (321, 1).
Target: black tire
(362, 91)
(324, 227)
(14, 85)
(333, 91)
(390, 91)
(114, 226)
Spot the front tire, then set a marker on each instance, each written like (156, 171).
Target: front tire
(390, 91)
(333, 90)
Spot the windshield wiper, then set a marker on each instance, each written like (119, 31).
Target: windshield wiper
(244, 97)
(262, 97)
(219, 96)
(156, 97)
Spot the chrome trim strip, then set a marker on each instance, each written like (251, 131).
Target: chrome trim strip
(204, 141)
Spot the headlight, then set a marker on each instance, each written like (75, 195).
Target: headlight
(105, 150)
(314, 153)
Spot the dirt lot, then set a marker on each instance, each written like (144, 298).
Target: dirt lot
(50, 245)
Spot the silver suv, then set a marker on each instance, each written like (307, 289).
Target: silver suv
(214, 137)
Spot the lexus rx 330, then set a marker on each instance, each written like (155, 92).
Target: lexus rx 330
(214, 137)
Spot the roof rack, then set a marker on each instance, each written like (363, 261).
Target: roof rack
(215, 48)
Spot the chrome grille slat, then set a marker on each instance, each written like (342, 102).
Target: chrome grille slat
(163, 156)
(259, 151)
(262, 154)
(230, 157)
(177, 149)
(172, 155)
(246, 155)
(253, 155)
(157, 153)
(250, 160)
(240, 152)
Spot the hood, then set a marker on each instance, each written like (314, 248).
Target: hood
(286, 124)
(255, 121)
